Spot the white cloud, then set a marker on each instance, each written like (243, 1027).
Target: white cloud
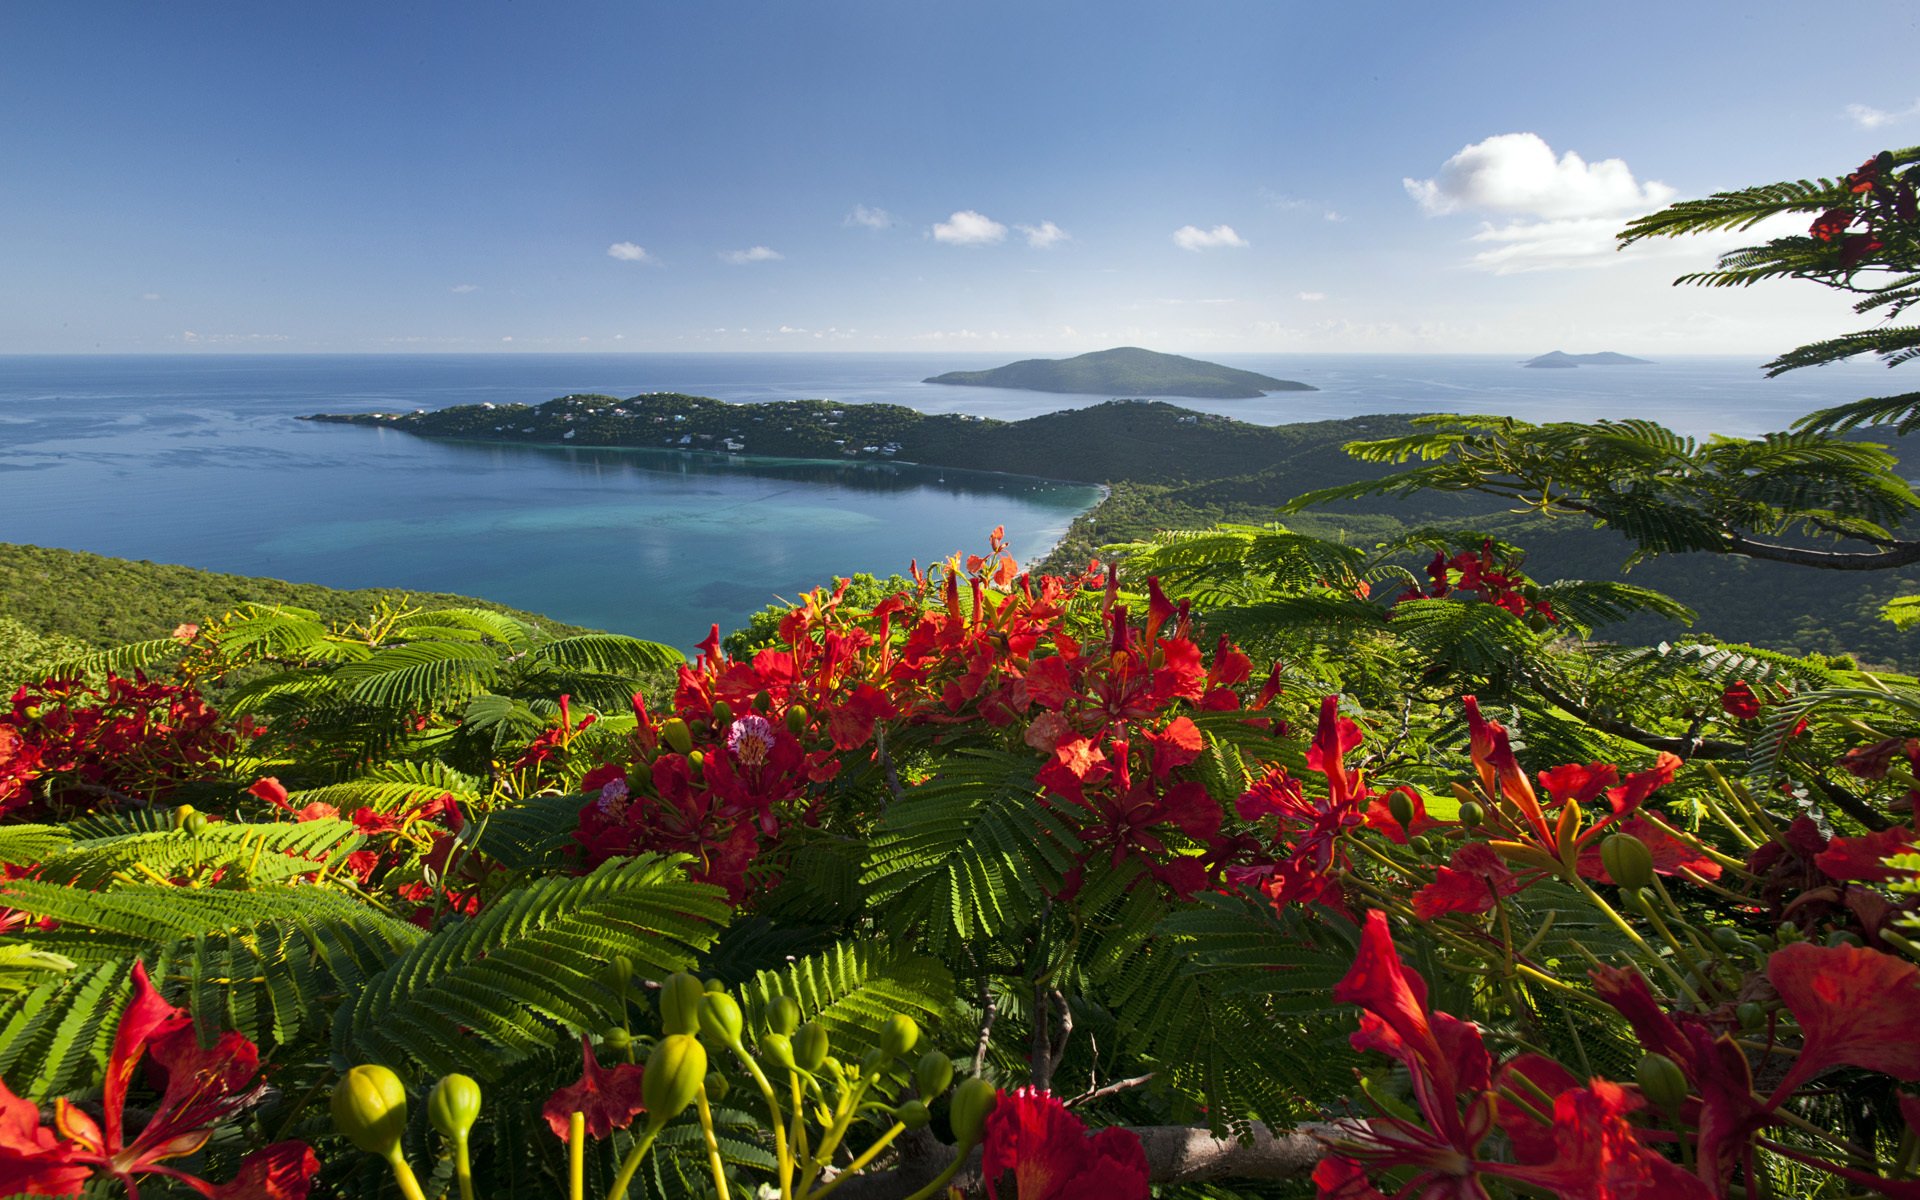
(969, 228)
(1867, 117)
(1045, 234)
(1313, 296)
(150, 295)
(462, 289)
(1521, 246)
(1333, 215)
(1562, 212)
(1517, 173)
(1192, 237)
(870, 218)
(756, 254)
(628, 252)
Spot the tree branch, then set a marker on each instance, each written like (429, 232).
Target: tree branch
(1686, 748)
(1175, 1154)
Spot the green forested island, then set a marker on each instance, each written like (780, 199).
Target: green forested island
(1126, 371)
(1605, 358)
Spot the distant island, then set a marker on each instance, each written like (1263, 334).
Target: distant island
(1606, 358)
(1126, 371)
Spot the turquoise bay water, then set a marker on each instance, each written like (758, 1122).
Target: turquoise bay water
(199, 460)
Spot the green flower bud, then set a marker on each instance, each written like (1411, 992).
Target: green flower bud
(796, 719)
(1628, 861)
(616, 1038)
(1472, 813)
(898, 1035)
(932, 1074)
(1662, 1081)
(722, 713)
(874, 1061)
(784, 1015)
(716, 984)
(913, 1114)
(674, 732)
(810, 1046)
(453, 1106)
(777, 1048)
(195, 824)
(696, 762)
(1401, 807)
(181, 814)
(968, 1109)
(680, 998)
(370, 1109)
(1749, 1014)
(620, 976)
(720, 1018)
(717, 1087)
(675, 1070)
(762, 700)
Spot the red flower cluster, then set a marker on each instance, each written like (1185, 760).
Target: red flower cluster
(1583, 1145)
(720, 786)
(199, 1089)
(1544, 836)
(132, 740)
(1497, 582)
(1031, 1134)
(1877, 201)
(990, 649)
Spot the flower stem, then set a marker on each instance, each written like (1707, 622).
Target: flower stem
(866, 1157)
(630, 1166)
(403, 1174)
(713, 1145)
(577, 1156)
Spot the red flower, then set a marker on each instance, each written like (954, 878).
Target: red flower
(1859, 858)
(1031, 1133)
(609, 1099)
(1855, 1007)
(1467, 884)
(1739, 701)
(202, 1089)
(33, 1159)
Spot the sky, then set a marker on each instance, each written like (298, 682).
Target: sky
(1216, 176)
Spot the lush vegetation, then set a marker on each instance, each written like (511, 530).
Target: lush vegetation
(89, 600)
(999, 881)
(1126, 371)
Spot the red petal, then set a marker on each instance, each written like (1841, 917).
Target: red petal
(608, 1099)
(282, 1171)
(1855, 1006)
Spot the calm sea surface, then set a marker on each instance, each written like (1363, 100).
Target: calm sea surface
(198, 460)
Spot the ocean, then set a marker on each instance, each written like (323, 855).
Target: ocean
(199, 460)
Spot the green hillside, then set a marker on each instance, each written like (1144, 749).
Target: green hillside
(95, 601)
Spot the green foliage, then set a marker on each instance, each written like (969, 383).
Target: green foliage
(1835, 259)
(103, 602)
(969, 854)
(495, 990)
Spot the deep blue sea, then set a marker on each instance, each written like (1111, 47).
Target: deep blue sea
(197, 459)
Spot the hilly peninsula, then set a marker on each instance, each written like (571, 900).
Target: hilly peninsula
(1605, 358)
(1126, 371)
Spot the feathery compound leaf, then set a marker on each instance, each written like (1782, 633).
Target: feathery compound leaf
(852, 988)
(488, 993)
(245, 855)
(607, 653)
(970, 853)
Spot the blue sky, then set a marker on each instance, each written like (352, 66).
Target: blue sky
(1214, 176)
